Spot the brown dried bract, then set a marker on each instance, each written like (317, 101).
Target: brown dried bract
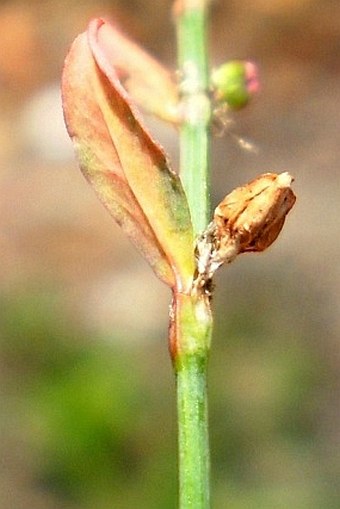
(248, 219)
(254, 214)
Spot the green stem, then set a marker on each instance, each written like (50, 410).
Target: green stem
(194, 132)
(191, 320)
(193, 433)
(190, 334)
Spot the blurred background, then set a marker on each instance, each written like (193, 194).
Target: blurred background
(87, 391)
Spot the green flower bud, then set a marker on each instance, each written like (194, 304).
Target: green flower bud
(234, 83)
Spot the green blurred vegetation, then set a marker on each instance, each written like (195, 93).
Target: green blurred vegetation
(98, 414)
(96, 419)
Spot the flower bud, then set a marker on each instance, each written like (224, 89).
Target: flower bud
(234, 83)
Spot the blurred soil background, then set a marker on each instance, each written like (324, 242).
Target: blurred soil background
(87, 392)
